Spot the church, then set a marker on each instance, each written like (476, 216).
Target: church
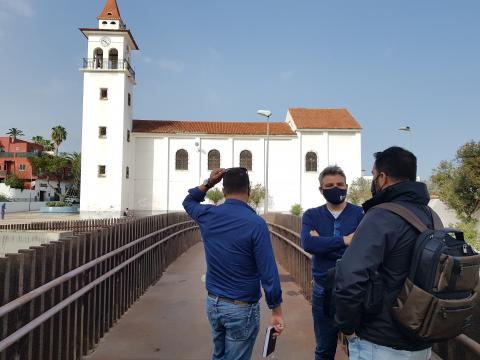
(148, 165)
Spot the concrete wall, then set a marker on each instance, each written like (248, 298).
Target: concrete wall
(14, 207)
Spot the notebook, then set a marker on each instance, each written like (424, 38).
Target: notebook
(270, 341)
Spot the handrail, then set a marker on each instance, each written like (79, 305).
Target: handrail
(292, 244)
(469, 343)
(17, 335)
(9, 307)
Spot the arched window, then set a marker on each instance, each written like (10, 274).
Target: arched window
(113, 59)
(246, 160)
(311, 161)
(213, 159)
(98, 58)
(181, 160)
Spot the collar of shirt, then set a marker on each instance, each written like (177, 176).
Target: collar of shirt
(238, 202)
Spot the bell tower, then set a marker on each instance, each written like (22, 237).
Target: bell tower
(109, 80)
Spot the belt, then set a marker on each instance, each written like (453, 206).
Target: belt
(231, 301)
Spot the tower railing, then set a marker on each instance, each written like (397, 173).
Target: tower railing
(108, 64)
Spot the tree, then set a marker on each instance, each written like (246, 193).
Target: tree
(52, 168)
(59, 134)
(47, 144)
(14, 133)
(14, 182)
(257, 195)
(458, 181)
(215, 195)
(360, 191)
(75, 159)
(296, 209)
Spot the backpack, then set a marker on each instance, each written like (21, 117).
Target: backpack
(438, 298)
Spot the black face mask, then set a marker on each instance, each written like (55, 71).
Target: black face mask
(335, 195)
(374, 188)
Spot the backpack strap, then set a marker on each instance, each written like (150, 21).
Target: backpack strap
(406, 214)
(437, 222)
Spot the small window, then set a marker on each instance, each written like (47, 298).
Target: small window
(246, 160)
(311, 162)
(127, 174)
(129, 99)
(213, 159)
(109, 13)
(22, 167)
(102, 132)
(128, 135)
(181, 160)
(104, 22)
(102, 171)
(113, 23)
(103, 94)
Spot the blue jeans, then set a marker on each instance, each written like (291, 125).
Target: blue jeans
(365, 350)
(234, 329)
(325, 333)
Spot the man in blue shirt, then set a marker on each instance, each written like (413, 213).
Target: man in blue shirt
(326, 232)
(239, 258)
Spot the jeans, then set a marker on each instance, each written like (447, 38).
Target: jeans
(234, 329)
(365, 350)
(325, 333)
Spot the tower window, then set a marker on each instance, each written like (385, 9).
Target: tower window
(98, 59)
(129, 99)
(311, 162)
(113, 23)
(127, 173)
(102, 132)
(103, 94)
(102, 171)
(109, 13)
(113, 59)
(128, 135)
(104, 22)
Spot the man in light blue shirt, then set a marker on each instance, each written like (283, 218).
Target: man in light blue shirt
(239, 258)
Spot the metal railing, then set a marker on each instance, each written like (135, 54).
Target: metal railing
(6, 154)
(285, 234)
(108, 64)
(60, 298)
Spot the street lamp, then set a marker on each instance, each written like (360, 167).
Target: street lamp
(267, 114)
(407, 130)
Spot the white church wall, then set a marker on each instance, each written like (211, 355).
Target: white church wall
(345, 151)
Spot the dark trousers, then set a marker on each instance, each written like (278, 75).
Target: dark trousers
(325, 333)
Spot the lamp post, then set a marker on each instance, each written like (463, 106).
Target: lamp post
(407, 130)
(267, 114)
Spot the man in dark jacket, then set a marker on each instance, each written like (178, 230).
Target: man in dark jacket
(383, 245)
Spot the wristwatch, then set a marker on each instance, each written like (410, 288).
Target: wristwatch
(207, 183)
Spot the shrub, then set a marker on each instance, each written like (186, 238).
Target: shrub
(215, 195)
(57, 204)
(296, 209)
(4, 198)
(14, 182)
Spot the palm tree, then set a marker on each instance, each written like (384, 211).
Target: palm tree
(38, 140)
(15, 133)
(59, 134)
(47, 144)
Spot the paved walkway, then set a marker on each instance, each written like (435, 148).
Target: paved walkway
(169, 321)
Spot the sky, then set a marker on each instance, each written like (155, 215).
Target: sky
(390, 63)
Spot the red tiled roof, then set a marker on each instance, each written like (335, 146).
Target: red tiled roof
(211, 127)
(110, 12)
(323, 119)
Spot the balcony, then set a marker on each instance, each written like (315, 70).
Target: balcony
(6, 155)
(19, 154)
(102, 64)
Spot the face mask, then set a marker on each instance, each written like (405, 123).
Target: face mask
(374, 188)
(335, 195)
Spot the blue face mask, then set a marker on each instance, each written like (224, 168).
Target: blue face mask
(335, 195)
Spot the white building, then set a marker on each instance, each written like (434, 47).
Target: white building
(150, 165)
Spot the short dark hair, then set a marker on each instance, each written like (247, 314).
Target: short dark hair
(398, 163)
(236, 181)
(331, 170)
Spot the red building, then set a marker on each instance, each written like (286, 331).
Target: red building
(14, 159)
